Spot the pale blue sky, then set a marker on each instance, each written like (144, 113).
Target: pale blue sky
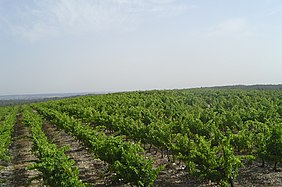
(51, 46)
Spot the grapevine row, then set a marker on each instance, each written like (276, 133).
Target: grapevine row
(197, 152)
(199, 127)
(57, 169)
(6, 130)
(124, 158)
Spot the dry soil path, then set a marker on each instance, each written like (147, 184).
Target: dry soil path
(92, 171)
(15, 173)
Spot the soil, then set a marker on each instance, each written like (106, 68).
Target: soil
(253, 175)
(91, 171)
(15, 172)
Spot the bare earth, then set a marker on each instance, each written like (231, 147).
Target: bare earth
(15, 172)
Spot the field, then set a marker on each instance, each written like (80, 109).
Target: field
(195, 137)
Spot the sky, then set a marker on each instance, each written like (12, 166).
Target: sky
(63, 46)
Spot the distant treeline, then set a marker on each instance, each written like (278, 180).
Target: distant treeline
(27, 101)
(256, 87)
(20, 102)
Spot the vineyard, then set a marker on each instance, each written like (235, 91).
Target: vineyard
(194, 137)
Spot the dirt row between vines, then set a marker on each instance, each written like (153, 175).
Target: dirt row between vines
(92, 171)
(15, 172)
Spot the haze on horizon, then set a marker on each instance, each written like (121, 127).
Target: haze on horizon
(63, 46)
